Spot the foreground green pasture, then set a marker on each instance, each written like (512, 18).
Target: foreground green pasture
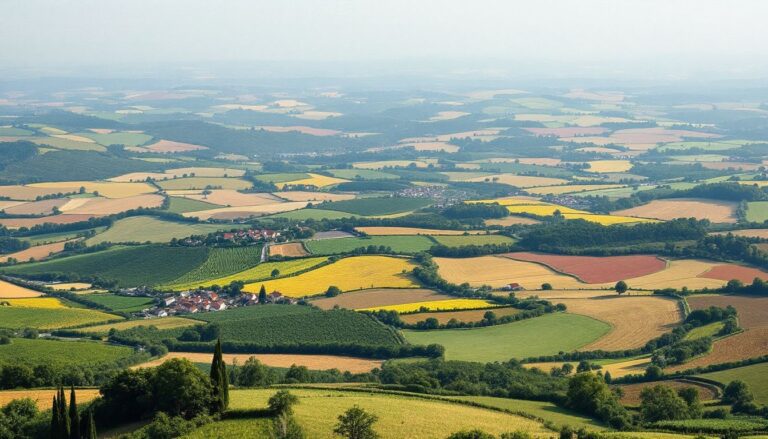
(462, 240)
(50, 318)
(756, 377)
(545, 335)
(222, 262)
(121, 303)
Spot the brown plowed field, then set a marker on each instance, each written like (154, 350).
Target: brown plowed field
(474, 315)
(632, 391)
(38, 252)
(314, 362)
(591, 269)
(312, 196)
(634, 319)
(14, 223)
(713, 210)
(17, 192)
(753, 342)
(751, 233)
(231, 197)
(291, 249)
(380, 297)
(732, 271)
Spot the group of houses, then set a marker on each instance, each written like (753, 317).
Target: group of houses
(202, 300)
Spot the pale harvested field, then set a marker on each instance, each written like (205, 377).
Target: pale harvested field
(42, 207)
(385, 231)
(14, 223)
(541, 161)
(380, 297)
(106, 206)
(678, 274)
(291, 249)
(169, 146)
(27, 193)
(448, 115)
(37, 253)
(246, 211)
(523, 181)
(312, 196)
(232, 198)
(13, 291)
(389, 163)
(600, 166)
(570, 188)
(316, 180)
(5, 204)
(715, 211)
(74, 138)
(159, 323)
(107, 189)
(74, 203)
(750, 233)
(498, 271)
(474, 315)
(556, 295)
(314, 362)
(69, 285)
(567, 131)
(139, 176)
(43, 397)
(634, 320)
(619, 369)
(753, 342)
(317, 115)
(433, 146)
(180, 173)
(510, 221)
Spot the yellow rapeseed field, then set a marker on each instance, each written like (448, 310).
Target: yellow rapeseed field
(348, 274)
(543, 209)
(436, 305)
(313, 180)
(106, 189)
(609, 166)
(36, 302)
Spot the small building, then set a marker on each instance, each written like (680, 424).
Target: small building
(512, 287)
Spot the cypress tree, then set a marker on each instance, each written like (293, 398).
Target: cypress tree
(63, 418)
(55, 418)
(74, 416)
(90, 427)
(262, 295)
(220, 380)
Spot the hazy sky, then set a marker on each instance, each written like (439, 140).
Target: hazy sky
(674, 36)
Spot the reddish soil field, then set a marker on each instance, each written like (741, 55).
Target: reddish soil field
(13, 223)
(567, 131)
(42, 207)
(592, 269)
(753, 342)
(632, 391)
(474, 315)
(169, 146)
(38, 252)
(733, 271)
(291, 249)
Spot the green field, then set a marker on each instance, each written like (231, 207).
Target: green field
(709, 330)
(67, 144)
(37, 351)
(715, 425)
(521, 168)
(121, 303)
(544, 410)
(259, 272)
(461, 240)
(159, 323)
(50, 318)
(285, 324)
(399, 244)
(256, 427)
(378, 206)
(204, 182)
(118, 138)
(305, 214)
(222, 262)
(545, 335)
(282, 178)
(400, 416)
(721, 145)
(150, 229)
(58, 236)
(362, 174)
(183, 205)
(12, 131)
(128, 266)
(756, 376)
(757, 211)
